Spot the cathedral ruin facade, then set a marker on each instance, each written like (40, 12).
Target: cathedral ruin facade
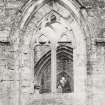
(52, 52)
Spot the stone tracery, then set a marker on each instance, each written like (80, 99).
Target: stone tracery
(22, 34)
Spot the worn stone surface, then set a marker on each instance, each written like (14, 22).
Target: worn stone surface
(18, 57)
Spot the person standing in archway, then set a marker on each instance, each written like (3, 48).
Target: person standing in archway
(64, 85)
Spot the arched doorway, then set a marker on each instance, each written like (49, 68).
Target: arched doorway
(34, 21)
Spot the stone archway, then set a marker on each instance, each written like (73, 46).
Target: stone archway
(42, 68)
(25, 35)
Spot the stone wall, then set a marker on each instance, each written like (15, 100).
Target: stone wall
(9, 75)
(8, 83)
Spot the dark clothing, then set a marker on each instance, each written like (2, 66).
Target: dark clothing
(65, 87)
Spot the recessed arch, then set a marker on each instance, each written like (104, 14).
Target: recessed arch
(79, 53)
(62, 23)
(33, 7)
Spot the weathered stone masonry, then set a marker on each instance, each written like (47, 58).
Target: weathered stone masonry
(22, 21)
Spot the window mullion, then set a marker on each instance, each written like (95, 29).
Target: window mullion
(53, 68)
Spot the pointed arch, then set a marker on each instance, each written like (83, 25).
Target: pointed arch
(34, 6)
(80, 33)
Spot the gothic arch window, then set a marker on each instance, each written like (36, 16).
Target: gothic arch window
(32, 16)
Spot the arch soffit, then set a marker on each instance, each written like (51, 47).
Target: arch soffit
(31, 7)
(34, 6)
(37, 34)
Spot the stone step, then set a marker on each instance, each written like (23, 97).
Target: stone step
(52, 100)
